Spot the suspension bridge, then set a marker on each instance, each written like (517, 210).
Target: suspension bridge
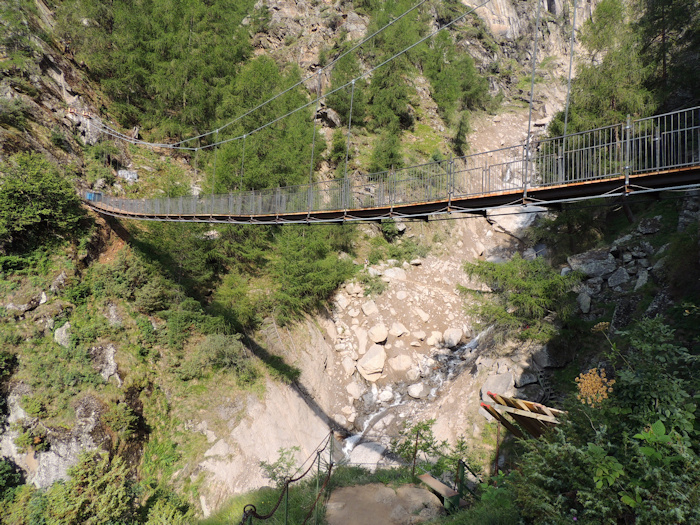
(638, 156)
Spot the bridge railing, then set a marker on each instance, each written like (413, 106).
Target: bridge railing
(668, 141)
(659, 143)
(489, 172)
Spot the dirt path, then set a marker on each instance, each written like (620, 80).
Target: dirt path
(377, 504)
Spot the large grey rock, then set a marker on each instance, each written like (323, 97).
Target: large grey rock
(515, 218)
(371, 364)
(434, 339)
(584, 302)
(398, 329)
(532, 392)
(548, 357)
(62, 335)
(59, 282)
(128, 175)
(524, 377)
(104, 362)
(498, 384)
(355, 390)
(397, 274)
(370, 308)
(330, 117)
(418, 391)
(618, 278)
(348, 365)
(378, 333)
(65, 447)
(452, 337)
(642, 279)
(594, 263)
(649, 226)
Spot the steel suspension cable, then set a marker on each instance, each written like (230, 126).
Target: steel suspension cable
(532, 92)
(568, 84)
(313, 128)
(339, 88)
(243, 161)
(327, 66)
(361, 76)
(216, 152)
(347, 140)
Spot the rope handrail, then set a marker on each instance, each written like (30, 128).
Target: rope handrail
(251, 511)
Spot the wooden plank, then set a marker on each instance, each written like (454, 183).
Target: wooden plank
(438, 486)
(513, 429)
(525, 413)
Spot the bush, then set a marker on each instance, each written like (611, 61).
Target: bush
(37, 203)
(12, 112)
(527, 293)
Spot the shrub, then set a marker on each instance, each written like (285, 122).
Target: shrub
(37, 202)
(526, 294)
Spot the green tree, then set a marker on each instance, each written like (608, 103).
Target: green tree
(527, 296)
(612, 79)
(278, 155)
(386, 153)
(345, 70)
(37, 203)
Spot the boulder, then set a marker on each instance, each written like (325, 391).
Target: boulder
(584, 302)
(397, 274)
(416, 262)
(378, 333)
(400, 363)
(452, 337)
(532, 392)
(371, 364)
(418, 391)
(62, 335)
(434, 339)
(370, 308)
(401, 295)
(618, 278)
(104, 363)
(413, 374)
(355, 390)
(594, 263)
(419, 334)
(348, 365)
(524, 377)
(649, 226)
(498, 384)
(361, 334)
(397, 330)
(386, 395)
(642, 279)
(341, 301)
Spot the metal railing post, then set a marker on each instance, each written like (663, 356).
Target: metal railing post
(628, 145)
(318, 487)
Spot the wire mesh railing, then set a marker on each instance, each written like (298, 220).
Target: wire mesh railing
(656, 144)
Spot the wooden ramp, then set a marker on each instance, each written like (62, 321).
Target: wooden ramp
(451, 498)
(533, 418)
